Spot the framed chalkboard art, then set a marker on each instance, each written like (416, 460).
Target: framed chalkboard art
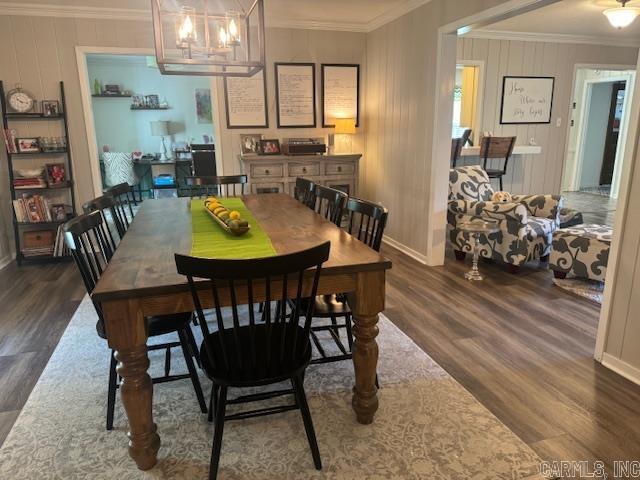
(526, 100)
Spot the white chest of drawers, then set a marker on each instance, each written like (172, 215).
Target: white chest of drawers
(277, 173)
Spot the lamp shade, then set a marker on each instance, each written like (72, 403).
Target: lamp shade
(160, 128)
(621, 17)
(345, 125)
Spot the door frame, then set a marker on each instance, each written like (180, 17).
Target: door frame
(574, 172)
(89, 124)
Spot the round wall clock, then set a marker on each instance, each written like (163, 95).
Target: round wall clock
(20, 100)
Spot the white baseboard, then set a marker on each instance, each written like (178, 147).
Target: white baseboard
(406, 250)
(4, 261)
(621, 368)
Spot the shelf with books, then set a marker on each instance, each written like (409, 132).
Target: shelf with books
(33, 209)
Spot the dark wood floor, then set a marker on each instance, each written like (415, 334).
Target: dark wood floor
(520, 345)
(36, 304)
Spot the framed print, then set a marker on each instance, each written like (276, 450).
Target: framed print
(203, 106)
(250, 143)
(58, 212)
(246, 101)
(50, 108)
(296, 95)
(269, 147)
(28, 145)
(56, 174)
(340, 84)
(526, 100)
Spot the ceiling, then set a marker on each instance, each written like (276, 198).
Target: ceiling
(581, 18)
(355, 15)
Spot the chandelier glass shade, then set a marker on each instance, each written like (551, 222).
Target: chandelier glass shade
(621, 17)
(209, 37)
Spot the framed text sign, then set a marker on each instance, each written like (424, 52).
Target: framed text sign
(340, 92)
(526, 100)
(246, 101)
(296, 95)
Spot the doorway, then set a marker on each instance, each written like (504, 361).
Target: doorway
(596, 144)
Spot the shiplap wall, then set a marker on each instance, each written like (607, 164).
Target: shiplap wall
(297, 45)
(535, 173)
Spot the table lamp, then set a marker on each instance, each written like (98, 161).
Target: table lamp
(160, 128)
(344, 126)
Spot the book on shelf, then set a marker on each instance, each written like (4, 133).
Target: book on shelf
(10, 140)
(32, 209)
(60, 248)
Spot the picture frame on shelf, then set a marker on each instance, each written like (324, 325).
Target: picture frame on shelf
(56, 174)
(50, 108)
(28, 145)
(250, 143)
(269, 146)
(59, 212)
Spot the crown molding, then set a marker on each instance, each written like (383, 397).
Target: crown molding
(391, 15)
(73, 11)
(106, 13)
(552, 38)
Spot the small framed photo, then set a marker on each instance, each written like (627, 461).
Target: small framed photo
(50, 108)
(58, 212)
(56, 174)
(250, 143)
(28, 145)
(269, 147)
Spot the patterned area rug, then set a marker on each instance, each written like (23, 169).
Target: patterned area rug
(427, 427)
(589, 289)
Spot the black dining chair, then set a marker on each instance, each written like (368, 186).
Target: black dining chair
(223, 186)
(125, 201)
(366, 222)
(106, 204)
(330, 203)
(92, 249)
(496, 148)
(304, 192)
(247, 352)
(456, 151)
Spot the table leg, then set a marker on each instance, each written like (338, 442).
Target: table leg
(369, 301)
(127, 335)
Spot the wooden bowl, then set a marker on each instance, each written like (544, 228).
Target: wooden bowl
(233, 231)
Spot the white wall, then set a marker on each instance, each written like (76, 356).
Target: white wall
(535, 173)
(126, 130)
(595, 134)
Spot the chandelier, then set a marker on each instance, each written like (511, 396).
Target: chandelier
(209, 37)
(623, 16)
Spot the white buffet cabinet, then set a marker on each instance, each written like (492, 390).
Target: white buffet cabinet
(277, 173)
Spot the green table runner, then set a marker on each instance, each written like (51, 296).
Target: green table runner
(211, 241)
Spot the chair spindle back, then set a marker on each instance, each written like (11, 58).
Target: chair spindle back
(330, 203)
(223, 186)
(304, 192)
(104, 204)
(124, 201)
(367, 221)
(271, 280)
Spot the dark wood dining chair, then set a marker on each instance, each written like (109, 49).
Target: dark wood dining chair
(466, 137)
(330, 203)
(223, 186)
(106, 204)
(496, 148)
(456, 151)
(125, 201)
(92, 250)
(366, 222)
(304, 192)
(246, 352)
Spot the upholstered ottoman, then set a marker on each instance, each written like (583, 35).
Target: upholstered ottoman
(582, 250)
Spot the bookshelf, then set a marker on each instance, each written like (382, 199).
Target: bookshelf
(13, 159)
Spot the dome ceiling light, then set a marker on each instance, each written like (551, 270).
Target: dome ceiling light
(621, 17)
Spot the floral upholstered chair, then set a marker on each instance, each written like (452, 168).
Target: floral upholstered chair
(526, 224)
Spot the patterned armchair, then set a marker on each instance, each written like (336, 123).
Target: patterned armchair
(526, 224)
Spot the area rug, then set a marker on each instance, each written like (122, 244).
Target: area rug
(427, 427)
(590, 289)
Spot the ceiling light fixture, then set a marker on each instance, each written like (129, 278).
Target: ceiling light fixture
(216, 38)
(621, 17)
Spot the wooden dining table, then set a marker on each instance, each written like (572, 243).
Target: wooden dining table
(141, 281)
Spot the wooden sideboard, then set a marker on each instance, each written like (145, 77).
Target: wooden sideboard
(277, 173)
